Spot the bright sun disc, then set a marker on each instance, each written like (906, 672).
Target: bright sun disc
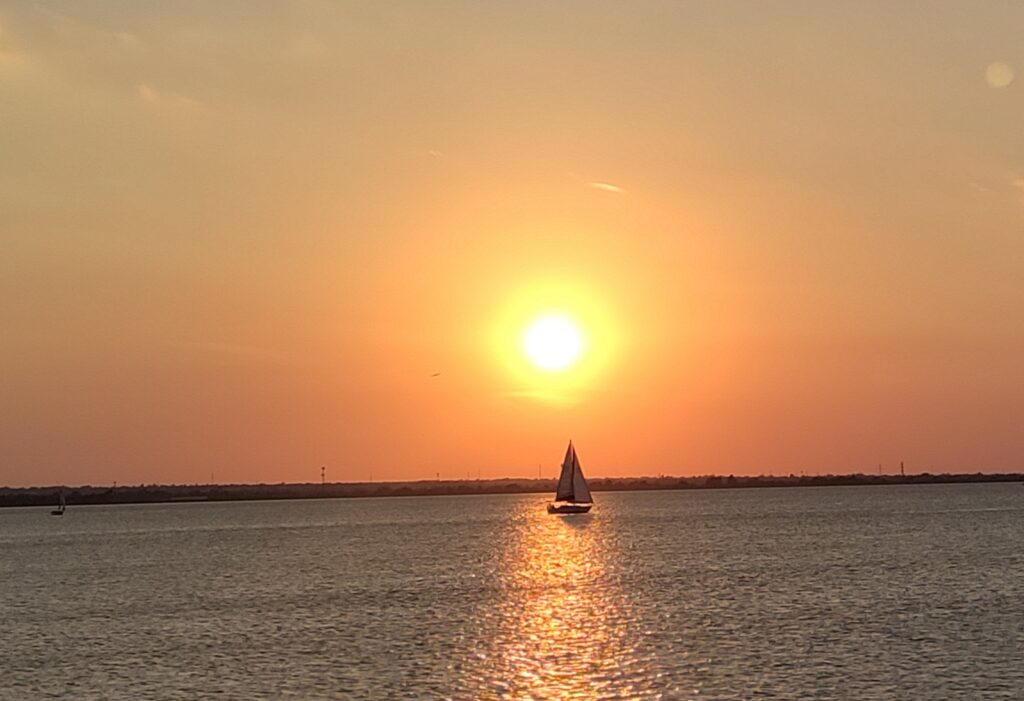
(553, 343)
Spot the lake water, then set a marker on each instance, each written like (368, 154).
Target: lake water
(853, 593)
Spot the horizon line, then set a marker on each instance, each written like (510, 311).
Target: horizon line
(703, 476)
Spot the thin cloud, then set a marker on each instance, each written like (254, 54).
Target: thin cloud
(605, 187)
(148, 93)
(128, 39)
(1017, 183)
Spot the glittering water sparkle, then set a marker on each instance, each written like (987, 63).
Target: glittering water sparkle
(828, 593)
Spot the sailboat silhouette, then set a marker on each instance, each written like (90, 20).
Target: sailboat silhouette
(59, 511)
(572, 495)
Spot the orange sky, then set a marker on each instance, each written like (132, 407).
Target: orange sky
(239, 239)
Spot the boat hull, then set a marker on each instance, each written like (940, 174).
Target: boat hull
(569, 508)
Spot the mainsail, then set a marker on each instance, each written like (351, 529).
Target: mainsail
(572, 486)
(565, 490)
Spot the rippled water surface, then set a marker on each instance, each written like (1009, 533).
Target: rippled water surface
(828, 593)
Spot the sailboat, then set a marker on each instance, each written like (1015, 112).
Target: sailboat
(59, 511)
(572, 495)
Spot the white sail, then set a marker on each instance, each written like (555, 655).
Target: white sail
(564, 492)
(572, 485)
(580, 490)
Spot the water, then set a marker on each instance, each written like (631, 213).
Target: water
(913, 592)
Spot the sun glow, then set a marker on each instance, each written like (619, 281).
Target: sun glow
(555, 338)
(553, 342)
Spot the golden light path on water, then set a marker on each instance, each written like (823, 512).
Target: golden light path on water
(562, 629)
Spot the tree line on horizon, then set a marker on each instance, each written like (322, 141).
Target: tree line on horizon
(48, 495)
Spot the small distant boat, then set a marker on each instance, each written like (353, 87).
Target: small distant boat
(59, 511)
(572, 495)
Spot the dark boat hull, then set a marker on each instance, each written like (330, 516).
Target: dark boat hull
(569, 508)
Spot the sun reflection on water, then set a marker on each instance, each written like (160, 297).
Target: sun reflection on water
(561, 630)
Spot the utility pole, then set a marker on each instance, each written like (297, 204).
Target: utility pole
(323, 478)
(903, 473)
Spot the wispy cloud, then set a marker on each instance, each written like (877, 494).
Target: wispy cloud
(605, 187)
(128, 39)
(150, 94)
(1017, 183)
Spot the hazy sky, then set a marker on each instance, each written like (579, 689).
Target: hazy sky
(240, 238)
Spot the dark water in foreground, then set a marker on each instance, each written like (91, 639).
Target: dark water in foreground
(907, 592)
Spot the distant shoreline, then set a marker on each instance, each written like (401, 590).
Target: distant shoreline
(150, 494)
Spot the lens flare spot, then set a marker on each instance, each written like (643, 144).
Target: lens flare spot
(999, 75)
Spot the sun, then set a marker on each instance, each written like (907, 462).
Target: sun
(556, 337)
(553, 342)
